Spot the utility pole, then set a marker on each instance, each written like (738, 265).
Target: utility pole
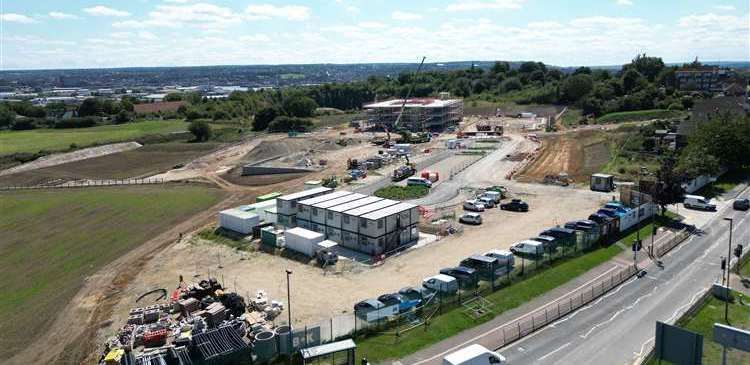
(289, 312)
(729, 264)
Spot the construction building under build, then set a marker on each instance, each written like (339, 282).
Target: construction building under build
(420, 114)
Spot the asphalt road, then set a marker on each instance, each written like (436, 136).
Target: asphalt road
(619, 327)
(421, 165)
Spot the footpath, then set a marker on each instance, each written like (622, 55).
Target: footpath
(435, 353)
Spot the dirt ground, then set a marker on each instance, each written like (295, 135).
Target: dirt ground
(579, 154)
(312, 301)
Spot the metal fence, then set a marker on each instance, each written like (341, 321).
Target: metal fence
(87, 183)
(662, 249)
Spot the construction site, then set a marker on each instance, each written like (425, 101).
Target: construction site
(303, 204)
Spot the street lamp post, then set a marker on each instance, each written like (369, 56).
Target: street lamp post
(289, 313)
(729, 264)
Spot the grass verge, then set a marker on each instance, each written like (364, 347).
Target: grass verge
(61, 139)
(52, 240)
(725, 183)
(639, 115)
(402, 192)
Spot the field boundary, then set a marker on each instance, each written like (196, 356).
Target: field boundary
(87, 183)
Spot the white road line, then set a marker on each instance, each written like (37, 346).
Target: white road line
(481, 335)
(614, 316)
(553, 352)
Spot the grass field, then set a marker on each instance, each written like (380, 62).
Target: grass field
(335, 120)
(52, 240)
(149, 159)
(402, 192)
(639, 115)
(572, 116)
(60, 139)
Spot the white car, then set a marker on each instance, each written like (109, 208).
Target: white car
(488, 202)
(474, 355)
(418, 181)
(698, 202)
(473, 206)
(528, 247)
(470, 218)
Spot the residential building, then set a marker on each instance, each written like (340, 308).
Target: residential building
(420, 114)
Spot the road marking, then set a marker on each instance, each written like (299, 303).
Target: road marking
(481, 335)
(614, 316)
(553, 352)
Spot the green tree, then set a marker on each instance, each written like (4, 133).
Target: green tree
(89, 107)
(668, 188)
(650, 67)
(631, 80)
(122, 117)
(201, 130)
(289, 124)
(263, 118)
(511, 84)
(173, 97)
(299, 106)
(577, 86)
(7, 116)
(500, 67)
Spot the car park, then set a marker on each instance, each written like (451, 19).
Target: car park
(741, 204)
(470, 218)
(516, 205)
(473, 206)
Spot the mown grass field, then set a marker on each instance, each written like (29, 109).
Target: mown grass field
(396, 192)
(149, 159)
(52, 240)
(60, 139)
(639, 115)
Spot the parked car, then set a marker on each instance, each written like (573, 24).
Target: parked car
(470, 218)
(465, 275)
(441, 283)
(496, 196)
(474, 355)
(616, 207)
(418, 181)
(488, 202)
(698, 202)
(527, 247)
(404, 304)
(516, 205)
(473, 206)
(741, 204)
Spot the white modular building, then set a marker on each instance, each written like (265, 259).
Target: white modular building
(334, 216)
(320, 212)
(238, 220)
(388, 229)
(304, 207)
(286, 205)
(303, 241)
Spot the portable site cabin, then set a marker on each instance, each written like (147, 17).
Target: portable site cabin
(286, 205)
(388, 229)
(304, 207)
(321, 213)
(264, 209)
(238, 220)
(269, 196)
(602, 182)
(636, 215)
(350, 222)
(335, 213)
(303, 241)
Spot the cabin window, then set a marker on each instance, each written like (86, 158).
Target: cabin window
(363, 222)
(330, 215)
(380, 223)
(346, 219)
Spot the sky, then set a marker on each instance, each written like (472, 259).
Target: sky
(38, 34)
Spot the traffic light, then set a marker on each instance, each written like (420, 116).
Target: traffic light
(738, 251)
(723, 263)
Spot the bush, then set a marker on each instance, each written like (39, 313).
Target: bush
(289, 124)
(76, 123)
(23, 124)
(263, 118)
(201, 130)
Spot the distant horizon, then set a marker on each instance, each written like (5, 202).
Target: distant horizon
(707, 62)
(96, 34)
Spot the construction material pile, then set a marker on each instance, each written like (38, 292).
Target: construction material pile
(201, 322)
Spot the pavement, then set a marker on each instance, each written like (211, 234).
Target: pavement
(618, 328)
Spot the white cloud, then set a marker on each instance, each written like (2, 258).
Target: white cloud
(101, 10)
(371, 25)
(61, 15)
(201, 15)
(724, 7)
(177, 1)
(16, 18)
(624, 2)
(402, 15)
(352, 9)
(147, 35)
(255, 38)
(470, 5)
(267, 11)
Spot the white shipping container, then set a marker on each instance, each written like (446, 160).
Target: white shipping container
(238, 221)
(302, 240)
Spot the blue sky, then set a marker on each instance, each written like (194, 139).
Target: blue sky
(107, 33)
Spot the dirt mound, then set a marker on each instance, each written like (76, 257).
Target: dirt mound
(62, 158)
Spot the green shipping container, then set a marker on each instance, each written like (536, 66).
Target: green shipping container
(268, 196)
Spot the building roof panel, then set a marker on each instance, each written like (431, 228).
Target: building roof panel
(388, 211)
(305, 193)
(325, 197)
(355, 204)
(342, 200)
(371, 207)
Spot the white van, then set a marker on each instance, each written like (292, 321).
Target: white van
(528, 247)
(496, 196)
(418, 181)
(474, 355)
(441, 283)
(473, 206)
(698, 202)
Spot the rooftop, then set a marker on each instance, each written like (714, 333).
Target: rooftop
(413, 103)
(305, 193)
(355, 204)
(391, 210)
(325, 197)
(339, 201)
(371, 207)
